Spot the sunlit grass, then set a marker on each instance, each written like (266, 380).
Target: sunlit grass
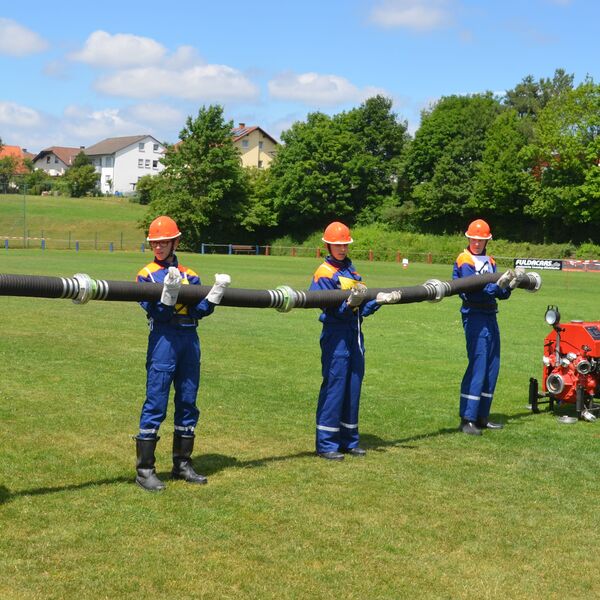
(429, 513)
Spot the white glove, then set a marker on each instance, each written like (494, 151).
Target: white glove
(388, 297)
(357, 295)
(508, 279)
(171, 286)
(222, 281)
(520, 276)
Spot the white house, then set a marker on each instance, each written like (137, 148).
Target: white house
(56, 159)
(122, 161)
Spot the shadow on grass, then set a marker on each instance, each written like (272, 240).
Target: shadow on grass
(210, 464)
(6, 495)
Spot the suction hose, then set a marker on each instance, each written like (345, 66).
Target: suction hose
(81, 288)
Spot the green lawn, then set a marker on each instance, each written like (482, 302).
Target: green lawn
(93, 222)
(429, 513)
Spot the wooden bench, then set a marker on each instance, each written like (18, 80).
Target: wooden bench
(243, 249)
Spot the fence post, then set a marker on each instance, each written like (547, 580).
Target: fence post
(110, 247)
(43, 244)
(267, 250)
(429, 258)
(202, 248)
(398, 256)
(371, 255)
(318, 252)
(230, 249)
(293, 251)
(76, 246)
(6, 244)
(257, 249)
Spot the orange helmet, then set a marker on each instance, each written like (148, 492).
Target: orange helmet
(163, 228)
(337, 233)
(479, 230)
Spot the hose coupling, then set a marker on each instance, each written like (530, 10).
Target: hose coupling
(288, 298)
(87, 288)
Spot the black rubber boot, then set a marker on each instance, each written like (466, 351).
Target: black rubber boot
(469, 427)
(485, 424)
(146, 473)
(182, 460)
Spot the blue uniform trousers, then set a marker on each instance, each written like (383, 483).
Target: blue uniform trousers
(343, 364)
(173, 357)
(483, 350)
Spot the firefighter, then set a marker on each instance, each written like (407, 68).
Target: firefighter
(173, 356)
(478, 312)
(342, 347)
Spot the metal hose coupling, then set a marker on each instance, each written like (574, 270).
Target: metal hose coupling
(87, 288)
(535, 281)
(287, 298)
(436, 289)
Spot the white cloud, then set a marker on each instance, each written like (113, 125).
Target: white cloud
(419, 15)
(200, 82)
(157, 113)
(16, 40)
(91, 126)
(315, 89)
(121, 50)
(16, 115)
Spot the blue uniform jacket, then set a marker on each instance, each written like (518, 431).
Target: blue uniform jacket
(484, 300)
(155, 272)
(340, 275)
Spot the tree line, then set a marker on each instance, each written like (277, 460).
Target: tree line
(528, 161)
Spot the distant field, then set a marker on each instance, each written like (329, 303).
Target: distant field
(429, 513)
(93, 222)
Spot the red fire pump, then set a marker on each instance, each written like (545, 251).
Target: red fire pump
(571, 371)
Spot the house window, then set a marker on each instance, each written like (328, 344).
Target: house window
(155, 147)
(48, 159)
(140, 163)
(245, 143)
(260, 164)
(108, 161)
(155, 164)
(141, 147)
(56, 160)
(260, 145)
(147, 163)
(107, 179)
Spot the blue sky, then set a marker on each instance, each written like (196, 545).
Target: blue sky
(73, 73)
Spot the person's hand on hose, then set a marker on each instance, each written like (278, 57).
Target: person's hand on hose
(222, 282)
(171, 287)
(508, 279)
(520, 276)
(388, 297)
(357, 295)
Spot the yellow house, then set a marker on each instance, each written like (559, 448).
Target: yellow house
(257, 148)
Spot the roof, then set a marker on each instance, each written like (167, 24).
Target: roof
(64, 153)
(112, 145)
(17, 153)
(243, 130)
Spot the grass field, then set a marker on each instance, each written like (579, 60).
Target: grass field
(93, 222)
(429, 513)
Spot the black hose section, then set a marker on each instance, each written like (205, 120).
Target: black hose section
(128, 291)
(191, 294)
(38, 286)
